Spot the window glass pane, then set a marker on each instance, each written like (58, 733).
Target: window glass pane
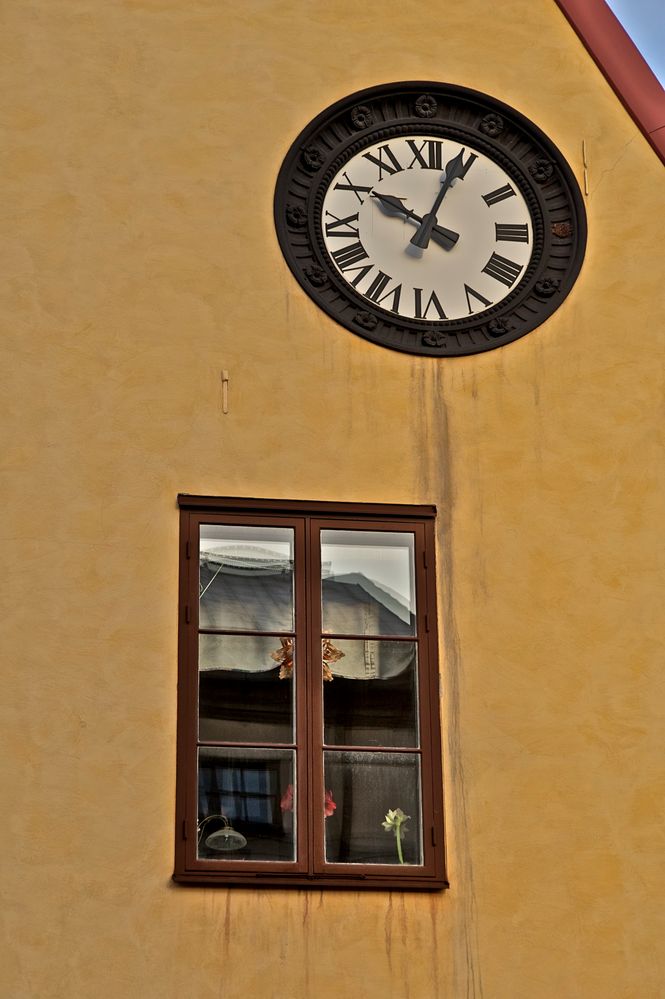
(368, 585)
(246, 688)
(246, 578)
(370, 693)
(369, 791)
(246, 802)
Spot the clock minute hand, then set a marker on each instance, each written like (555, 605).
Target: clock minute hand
(455, 170)
(394, 206)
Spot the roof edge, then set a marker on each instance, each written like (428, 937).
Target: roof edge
(622, 64)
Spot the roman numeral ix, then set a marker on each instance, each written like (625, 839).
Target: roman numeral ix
(341, 227)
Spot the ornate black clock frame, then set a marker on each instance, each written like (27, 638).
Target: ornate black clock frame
(530, 159)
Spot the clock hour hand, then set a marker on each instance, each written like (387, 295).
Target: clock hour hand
(394, 206)
(455, 170)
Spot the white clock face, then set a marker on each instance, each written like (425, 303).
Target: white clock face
(427, 228)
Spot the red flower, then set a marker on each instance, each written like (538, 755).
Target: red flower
(329, 805)
(286, 804)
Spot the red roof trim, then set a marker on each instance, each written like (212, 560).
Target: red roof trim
(622, 64)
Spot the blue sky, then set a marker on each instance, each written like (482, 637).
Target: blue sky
(644, 20)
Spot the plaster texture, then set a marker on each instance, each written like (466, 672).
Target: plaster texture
(139, 260)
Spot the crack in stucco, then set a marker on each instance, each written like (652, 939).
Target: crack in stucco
(611, 168)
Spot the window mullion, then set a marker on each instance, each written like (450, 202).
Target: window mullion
(303, 796)
(315, 700)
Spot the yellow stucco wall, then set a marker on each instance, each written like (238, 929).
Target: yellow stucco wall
(140, 260)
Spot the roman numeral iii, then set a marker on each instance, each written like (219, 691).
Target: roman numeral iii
(511, 233)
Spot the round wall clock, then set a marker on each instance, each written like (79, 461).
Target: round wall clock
(430, 218)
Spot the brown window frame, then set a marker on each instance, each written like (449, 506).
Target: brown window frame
(309, 870)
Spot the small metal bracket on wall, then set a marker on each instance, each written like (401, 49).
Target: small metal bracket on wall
(225, 392)
(586, 168)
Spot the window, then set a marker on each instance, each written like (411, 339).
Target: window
(308, 730)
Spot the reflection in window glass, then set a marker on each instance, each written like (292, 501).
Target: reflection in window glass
(252, 793)
(366, 788)
(368, 584)
(371, 697)
(246, 688)
(246, 578)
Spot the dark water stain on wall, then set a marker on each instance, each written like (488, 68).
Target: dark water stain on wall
(388, 931)
(437, 485)
(227, 923)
